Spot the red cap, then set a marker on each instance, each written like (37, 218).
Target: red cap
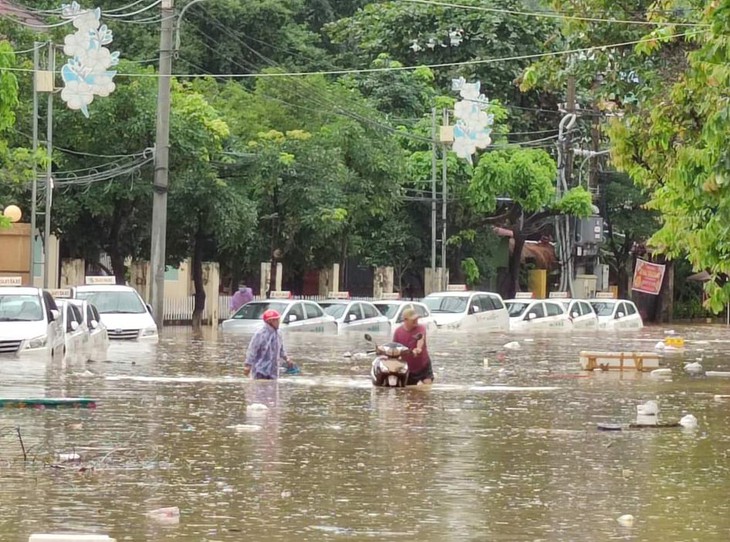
(271, 315)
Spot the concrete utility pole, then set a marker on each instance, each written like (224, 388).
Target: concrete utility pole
(162, 155)
(34, 189)
(444, 189)
(49, 172)
(434, 173)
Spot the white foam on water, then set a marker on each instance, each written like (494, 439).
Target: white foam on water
(328, 382)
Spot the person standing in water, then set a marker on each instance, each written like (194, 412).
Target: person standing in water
(266, 349)
(420, 370)
(241, 297)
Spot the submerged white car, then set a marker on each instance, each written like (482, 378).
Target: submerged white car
(122, 311)
(537, 315)
(479, 311)
(581, 313)
(29, 323)
(617, 314)
(393, 311)
(296, 315)
(356, 315)
(75, 333)
(98, 334)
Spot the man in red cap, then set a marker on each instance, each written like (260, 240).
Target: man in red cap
(266, 349)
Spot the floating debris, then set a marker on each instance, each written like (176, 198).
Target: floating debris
(688, 422)
(627, 520)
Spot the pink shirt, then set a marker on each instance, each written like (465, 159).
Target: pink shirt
(418, 363)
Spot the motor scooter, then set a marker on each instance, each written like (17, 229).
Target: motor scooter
(388, 370)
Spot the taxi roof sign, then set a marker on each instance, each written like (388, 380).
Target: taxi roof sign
(338, 295)
(605, 295)
(61, 293)
(524, 295)
(390, 296)
(99, 280)
(11, 281)
(559, 295)
(456, 288)
(280, 294)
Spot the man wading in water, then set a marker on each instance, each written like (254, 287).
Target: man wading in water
(266, 349)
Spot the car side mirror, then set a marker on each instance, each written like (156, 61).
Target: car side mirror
(419, 336)
(149, 308)
(620, 315)
(473, 309)
(531, 316)
(94, 324)
(74, 325)
(368, 337)
(352, 317)
(292, 318)
(575, 314)
(54, 315)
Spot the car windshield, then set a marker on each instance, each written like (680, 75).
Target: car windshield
(516, 308)
(334, 309)
(114, 302)
(20, 308)
(604, 308)
(255, 310)
(455, 304)
(389, 310)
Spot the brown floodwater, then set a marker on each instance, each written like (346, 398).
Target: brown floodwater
(508, 452)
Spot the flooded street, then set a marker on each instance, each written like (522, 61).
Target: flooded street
(331, 458)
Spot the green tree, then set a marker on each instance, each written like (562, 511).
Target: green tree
(673, 143)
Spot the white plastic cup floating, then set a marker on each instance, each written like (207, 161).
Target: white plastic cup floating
(688, 422)
(486, 363)
(627, 520)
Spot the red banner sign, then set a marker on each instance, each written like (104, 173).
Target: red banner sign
(648, 277)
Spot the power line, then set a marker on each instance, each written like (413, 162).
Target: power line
(550, 15)
(402, 68)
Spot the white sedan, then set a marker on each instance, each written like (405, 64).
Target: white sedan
(359, 316)
(296, 315)
(98, 334)
(75, 333)
(537, 314)
(617, 314)
(393, 311)
(581, 313)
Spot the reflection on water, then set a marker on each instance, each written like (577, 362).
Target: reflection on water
(508, 452)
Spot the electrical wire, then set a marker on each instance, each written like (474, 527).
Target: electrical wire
(550, 15)
(113, 15)
(398, 68)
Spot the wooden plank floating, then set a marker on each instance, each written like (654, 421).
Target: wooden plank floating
(49, 402)
(619, 361)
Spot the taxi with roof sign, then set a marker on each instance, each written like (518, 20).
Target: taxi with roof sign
(297, 315)
(459, 308)
(121, 309)
(392, 307)
(355, 315)
(529, 314)
(616, 314)
(30, 322)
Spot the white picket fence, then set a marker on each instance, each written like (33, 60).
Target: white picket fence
(180, 309)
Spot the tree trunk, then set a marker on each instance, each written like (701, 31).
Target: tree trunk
(117, 260)
(515, 261)
(199, 306)
(665, 311)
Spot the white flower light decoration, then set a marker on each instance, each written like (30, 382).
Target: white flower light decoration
(474, 124)
(87, 73)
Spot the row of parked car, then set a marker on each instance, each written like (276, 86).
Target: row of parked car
(75, 324)
(465, 310)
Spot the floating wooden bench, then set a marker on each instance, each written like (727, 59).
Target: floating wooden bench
(49, 402)
(619, 361)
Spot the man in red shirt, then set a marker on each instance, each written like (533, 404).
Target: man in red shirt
(419, 363)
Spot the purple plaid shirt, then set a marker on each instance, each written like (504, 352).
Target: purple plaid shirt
(264, 352)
